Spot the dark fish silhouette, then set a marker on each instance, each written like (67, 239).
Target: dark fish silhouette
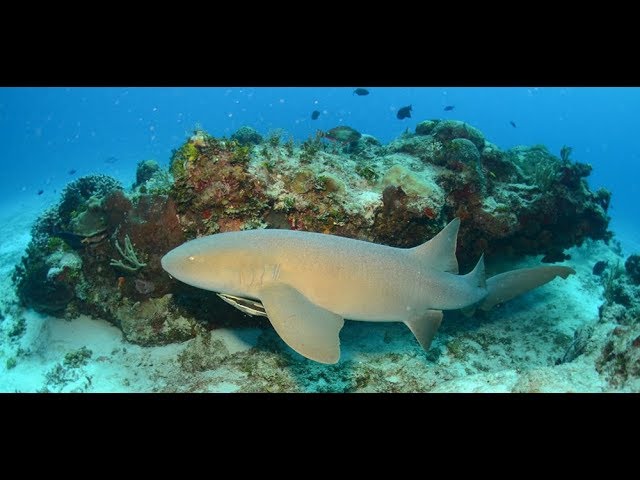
(40, 192)
(74, 240)
(343, 134)
(361, 92)
(513, 124)
(111, 160)
(599, 267)
(72, 171)
(404, 112)
(448, 108)
(315, 114)
(555, 256)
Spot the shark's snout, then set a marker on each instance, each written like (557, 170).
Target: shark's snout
(168, 263)
(176, 262)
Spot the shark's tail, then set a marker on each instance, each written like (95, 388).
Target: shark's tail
(508, 285)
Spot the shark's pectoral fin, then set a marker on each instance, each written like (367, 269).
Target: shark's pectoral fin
(309, 329)
(424, 327)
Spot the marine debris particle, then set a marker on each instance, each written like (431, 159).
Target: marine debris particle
(315, 114)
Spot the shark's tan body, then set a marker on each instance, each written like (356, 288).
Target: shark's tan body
(309, 282)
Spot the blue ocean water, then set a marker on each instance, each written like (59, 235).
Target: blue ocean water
(45, 133)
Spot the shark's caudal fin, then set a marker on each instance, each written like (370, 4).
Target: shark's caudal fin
(440, 251)
(508, 285)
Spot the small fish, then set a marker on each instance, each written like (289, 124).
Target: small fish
(555, 256)
(513, 124)
(95, 239)
(448, 108)
(599, 267)
(361, 92)
(72, 171)
(404, 112)
(342, 134)
(40, 192)
(111, 160)
(315, 114)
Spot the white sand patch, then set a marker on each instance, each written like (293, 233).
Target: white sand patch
(496, 382)
(238, 340)
(569, 378)
(16, 219)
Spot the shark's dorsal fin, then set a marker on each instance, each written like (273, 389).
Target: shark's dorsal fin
(424, 327)
(310, 330)
(440, 252)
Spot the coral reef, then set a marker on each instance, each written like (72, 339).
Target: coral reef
(632, 266)
(155, 322)
(146, 170)
(247, 136)
(47, 276)
(98, 251)
(69, 374)
(614, 340)
(610, 344)
(214, 190)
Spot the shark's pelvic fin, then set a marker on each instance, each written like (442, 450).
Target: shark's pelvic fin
(440, 252)
(310, 330)
(424, 327)
(508, 285)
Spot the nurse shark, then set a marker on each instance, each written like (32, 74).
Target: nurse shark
(307, 283)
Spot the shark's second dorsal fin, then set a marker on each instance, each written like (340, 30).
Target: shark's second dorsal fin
(440, 252)
(477, 276)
